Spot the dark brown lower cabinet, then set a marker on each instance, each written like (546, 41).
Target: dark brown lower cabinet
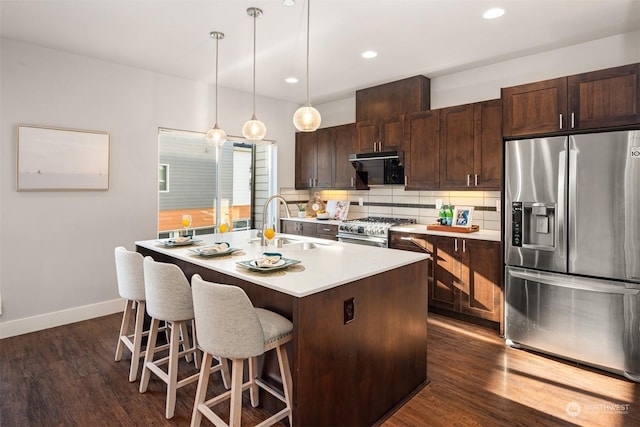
(468, 277)
(465, 275)
(310, 229)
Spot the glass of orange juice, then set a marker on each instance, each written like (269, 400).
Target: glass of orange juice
(186, 223)
(269, 232)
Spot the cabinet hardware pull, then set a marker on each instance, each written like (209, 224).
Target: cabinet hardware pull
(468, 180)
(374, 146)
(476, 178)
(560, 121)
(464, 245)
(455, 245)
(573, 121)
(310, 182)
(352, 182)
(406, 181)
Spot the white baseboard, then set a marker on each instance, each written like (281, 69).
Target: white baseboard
(59, 318)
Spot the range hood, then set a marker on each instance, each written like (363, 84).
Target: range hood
(378, 168)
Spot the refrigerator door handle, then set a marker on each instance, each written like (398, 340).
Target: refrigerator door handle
(572, 238)
(561, 210)
(574, 282)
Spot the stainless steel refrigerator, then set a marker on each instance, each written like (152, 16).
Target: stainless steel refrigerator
(572, 248)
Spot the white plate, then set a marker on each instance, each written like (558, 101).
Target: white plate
(204, 251)
(172, 242)
(254, 263)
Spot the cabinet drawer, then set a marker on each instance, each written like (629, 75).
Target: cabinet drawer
(413, 242)
(327, 231)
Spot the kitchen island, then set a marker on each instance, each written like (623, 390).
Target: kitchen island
(359, 348)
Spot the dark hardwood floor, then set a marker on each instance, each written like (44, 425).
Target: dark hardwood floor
(66, 376)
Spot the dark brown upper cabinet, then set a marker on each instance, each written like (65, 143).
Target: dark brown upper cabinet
(422, 150)
(314, 159)
(322, 158)
(380, 112)
(346, 142)
(471, 145)
(593, 100)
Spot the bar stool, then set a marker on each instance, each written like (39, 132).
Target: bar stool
(130, 277)
(169, 299)
(230, 327)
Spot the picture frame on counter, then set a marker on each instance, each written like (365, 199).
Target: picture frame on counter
(55, 159)
(462, 216)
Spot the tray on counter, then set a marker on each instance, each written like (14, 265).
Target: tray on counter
(451, 229)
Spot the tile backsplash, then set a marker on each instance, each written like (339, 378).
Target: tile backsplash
(394, 201)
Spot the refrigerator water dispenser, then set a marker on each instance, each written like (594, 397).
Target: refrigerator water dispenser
(533, 225)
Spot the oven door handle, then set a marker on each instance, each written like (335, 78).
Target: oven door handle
(363, 239)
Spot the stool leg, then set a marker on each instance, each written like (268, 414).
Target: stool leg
(201, 392)
(224, 372)
(148, 357)
(137, 341)
(124, 328)
(285, 373)
(186, 343)
(196, 351)
(253, 374)
(172, 373)
(236, 393)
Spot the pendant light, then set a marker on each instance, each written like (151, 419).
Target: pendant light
(307, 118)
(215, 135)
(254, 129)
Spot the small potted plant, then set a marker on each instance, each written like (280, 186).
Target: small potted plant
(302, 210)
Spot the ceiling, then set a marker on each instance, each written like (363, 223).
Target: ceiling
(429, 37)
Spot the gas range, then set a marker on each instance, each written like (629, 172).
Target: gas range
(372, 230)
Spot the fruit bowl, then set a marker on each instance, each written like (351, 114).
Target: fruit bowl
(323, 215)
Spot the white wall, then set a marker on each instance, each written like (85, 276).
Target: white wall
(56, 250)
(485, 82)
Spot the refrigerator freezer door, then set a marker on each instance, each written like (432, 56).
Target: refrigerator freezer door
(604, 205)
(535, 203)
(596, 322)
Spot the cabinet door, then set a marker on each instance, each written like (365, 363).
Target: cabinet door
(391, 133)
(290, 227)
(367, 136)
(324, 158)
(422, 150)
(487, 144)
(306, 164)
(535, 108)
(481, 290)
(456, 146)
(346, 142)
(605, 98)
(443, 292)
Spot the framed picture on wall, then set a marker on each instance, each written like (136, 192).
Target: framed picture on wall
(61, 159)
(462, 216)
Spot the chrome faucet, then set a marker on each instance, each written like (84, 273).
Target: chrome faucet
(263, 241)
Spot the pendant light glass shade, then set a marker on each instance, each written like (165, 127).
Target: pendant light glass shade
(215, 135)
(254, 129)
(307, 118)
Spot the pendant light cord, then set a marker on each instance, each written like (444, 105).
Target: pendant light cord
(217, 41)
(254, 63)
(308, 14)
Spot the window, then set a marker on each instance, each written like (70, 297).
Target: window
(192, 187)
(163, 178)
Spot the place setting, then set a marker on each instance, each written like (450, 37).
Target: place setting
(270, 262)
(217, 250)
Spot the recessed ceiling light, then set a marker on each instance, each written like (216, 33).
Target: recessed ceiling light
(291, 80)
(369, 54)
(493, 13)
(289, 2)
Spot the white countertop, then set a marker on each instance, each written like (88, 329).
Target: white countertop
(492, 235)
(330, 265)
